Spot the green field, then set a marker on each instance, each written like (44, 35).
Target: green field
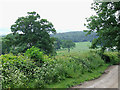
(80, 47)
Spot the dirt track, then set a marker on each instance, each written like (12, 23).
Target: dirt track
(108, 80)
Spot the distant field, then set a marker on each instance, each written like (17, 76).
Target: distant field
(80, 48)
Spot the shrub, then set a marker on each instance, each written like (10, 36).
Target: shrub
(88, 62)
(16, 70)
(22, 70)
(21, 62)
(113, 56)
(14, 78)
(37, 56)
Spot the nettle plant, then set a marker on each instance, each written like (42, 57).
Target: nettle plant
(16, 70)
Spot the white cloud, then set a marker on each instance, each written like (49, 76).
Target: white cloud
(64, 14)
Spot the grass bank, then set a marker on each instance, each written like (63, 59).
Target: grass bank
(70, 82)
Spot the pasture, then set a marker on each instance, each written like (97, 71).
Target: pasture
(80, 47)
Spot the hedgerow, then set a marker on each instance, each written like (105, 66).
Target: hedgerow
(27, 71)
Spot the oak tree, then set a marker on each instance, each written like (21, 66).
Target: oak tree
(106, 23)
(30, 31)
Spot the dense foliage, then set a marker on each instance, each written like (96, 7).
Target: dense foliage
(16, 71)
(22, 71)
(106, 23)
(30, 31)
(114, 57)
(37, 56)
(57, 44)
(76, 36)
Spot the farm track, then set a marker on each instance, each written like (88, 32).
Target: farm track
(108, 80)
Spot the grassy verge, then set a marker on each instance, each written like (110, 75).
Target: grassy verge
(69, 82)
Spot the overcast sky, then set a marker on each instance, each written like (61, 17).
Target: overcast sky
(66, 15)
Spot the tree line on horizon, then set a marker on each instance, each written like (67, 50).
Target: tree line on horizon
(75, 36)
(62, 40)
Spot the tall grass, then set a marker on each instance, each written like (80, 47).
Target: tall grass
(78, 68)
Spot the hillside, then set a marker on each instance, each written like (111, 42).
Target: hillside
(76, 36)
